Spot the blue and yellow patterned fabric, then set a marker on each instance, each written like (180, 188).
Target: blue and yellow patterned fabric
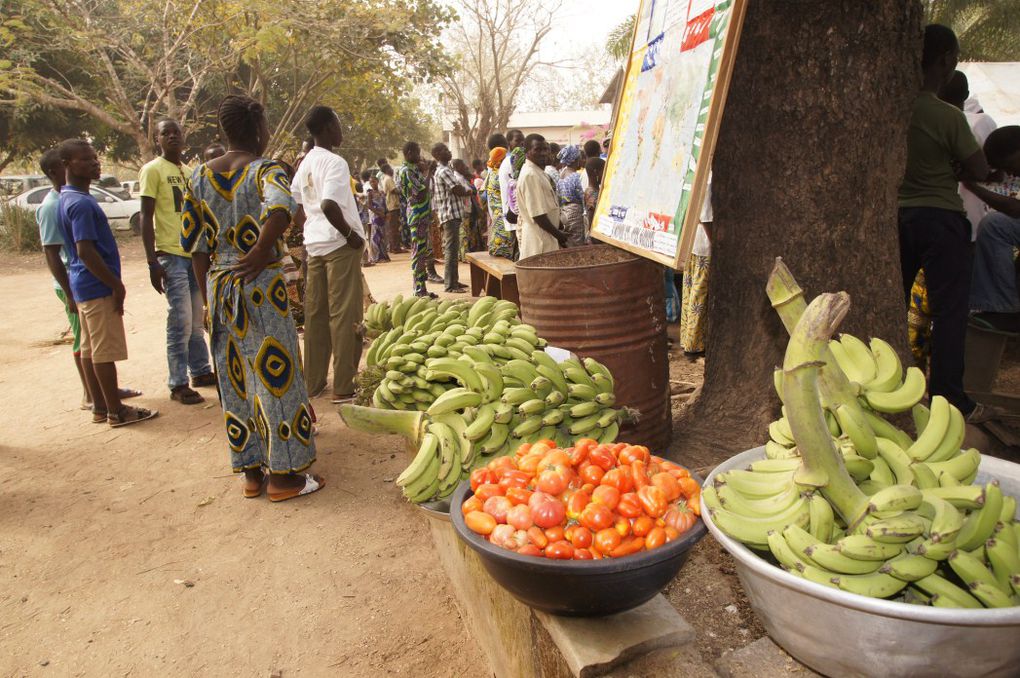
(254, 342)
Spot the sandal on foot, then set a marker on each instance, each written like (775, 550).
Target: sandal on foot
(186, 395)
(313, 483)
(99, 416)
(342, 399)
(248, 491)
(130, 415)
(128, 393)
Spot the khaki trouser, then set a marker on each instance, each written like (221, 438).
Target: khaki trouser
(333, 311)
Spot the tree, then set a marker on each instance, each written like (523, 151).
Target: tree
(497, 50)
(618, 43)
(810, 154)
(988, 30)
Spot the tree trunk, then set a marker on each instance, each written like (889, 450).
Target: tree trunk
(809, 158)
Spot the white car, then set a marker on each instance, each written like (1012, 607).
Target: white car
(124, 215)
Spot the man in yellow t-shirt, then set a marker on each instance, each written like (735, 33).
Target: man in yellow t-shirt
(163, 182)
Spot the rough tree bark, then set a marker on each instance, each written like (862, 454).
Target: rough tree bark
(810, 154)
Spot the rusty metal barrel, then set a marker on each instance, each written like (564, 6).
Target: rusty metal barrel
(604, 302)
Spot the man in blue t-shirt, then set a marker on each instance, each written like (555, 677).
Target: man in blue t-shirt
(94, 265)
(52, 239)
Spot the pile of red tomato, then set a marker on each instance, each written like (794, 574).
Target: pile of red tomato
(586, 502)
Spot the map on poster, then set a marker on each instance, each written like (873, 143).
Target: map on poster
(666, 122)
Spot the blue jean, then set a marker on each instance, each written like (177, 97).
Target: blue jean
(186, 350)
(993, 284)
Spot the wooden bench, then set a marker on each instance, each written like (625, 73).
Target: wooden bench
(494, 276)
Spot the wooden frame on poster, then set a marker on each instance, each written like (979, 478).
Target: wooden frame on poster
(685, 214)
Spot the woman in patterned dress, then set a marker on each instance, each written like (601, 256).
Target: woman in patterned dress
(500, 244)
(236, 211)
(571, 195)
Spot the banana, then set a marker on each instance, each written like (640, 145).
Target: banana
(897, 530)
(479, 356)
(781, 434)
(521, 345)
(609, 434)
(492, 378)
(858, 431)
(860, 355)
(754, 531)
(782, 551)
(825, 556)
(425, 486)
(453, 400)
(833, 425)
(818, 575)
(539, 357)
(733, 501)
(1006, 532)
(884, 429)
(774, 450)
(934, 432)
(466, 451)
(909, 567)
(1004, 560)
(480, 308)
(482, 423)
(888, 369)
(863, 547)
(581, 391)
(901, 399)
(603, 384)
(516, 396)
(552, 418)
(541, 386)
(461, 371)
(960, 496)
(582, 410)
(945, 593)
(530, 407)
(874, 585)
(577, 375)
(605, 399)
(594, 368)
(845, 363)
(991, 596)
(881, 473)
(960, 467)
(898, 461)
(555, 375)
(970, 570)
(924, 477)
(858, 467)
(950, 445)
(504, 413)
(934, 550)
(822, 519)
(757, 485)
(946, 520)
(497, 439)
(585, 425)
(980, 524)
(921, 414)
(1008, 512)
(947, 480)
(775, 465)
(554, 399)
(530, 425)
(896, 498)
(608, 418)
(421, 462)
(521, 370)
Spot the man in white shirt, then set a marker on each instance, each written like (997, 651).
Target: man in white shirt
(334, 239)
(539, 223)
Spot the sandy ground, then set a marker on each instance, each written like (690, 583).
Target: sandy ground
(131, 551)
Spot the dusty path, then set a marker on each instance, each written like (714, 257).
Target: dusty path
(132, 552)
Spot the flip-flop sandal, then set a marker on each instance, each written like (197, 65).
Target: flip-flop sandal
(130, 415)
(250, 493)
(312, 484)
(186, 395)
(343, 399)
(128, 393)
(99, 416)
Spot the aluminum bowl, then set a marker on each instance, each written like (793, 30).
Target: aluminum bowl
(843, 634)
(578, 588)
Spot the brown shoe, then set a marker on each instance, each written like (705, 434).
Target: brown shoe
(186, 396)
(204, 380)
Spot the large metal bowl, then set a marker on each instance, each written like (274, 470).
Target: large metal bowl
(843, 634)
(578, 588)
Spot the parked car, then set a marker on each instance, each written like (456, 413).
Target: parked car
(124, 215)
(132, 187)
(16, 184)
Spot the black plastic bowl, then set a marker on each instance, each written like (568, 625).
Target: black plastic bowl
(578, 588)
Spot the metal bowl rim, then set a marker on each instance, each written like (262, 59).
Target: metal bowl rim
(885, 608)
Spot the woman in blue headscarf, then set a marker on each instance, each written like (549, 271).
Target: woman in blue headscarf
(571, 196)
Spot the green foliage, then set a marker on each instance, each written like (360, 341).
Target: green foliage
(988, 30)
(18, 230)
(618, 42)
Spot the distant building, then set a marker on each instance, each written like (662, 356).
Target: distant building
(561, 127)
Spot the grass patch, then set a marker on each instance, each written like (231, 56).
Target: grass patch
(18, 230)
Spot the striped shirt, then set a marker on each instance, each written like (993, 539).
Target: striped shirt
(449, 206)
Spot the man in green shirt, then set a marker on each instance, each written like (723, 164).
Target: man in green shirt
(163, 182)
(934, 232)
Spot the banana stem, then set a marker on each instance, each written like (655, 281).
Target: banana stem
(407, 423)
(822, 465)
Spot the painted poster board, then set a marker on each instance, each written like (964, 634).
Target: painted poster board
(667, 121)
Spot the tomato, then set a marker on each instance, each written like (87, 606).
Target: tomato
(606, 540)
(537, 537)
(578, 455)
(542, 447)
(560, 550)
(622, 525)
(501, 464)
(596, 517)
(519, 516)
(481, 476)
(602, 457)
(592, 473)
(671, 533)
(548, 513)
(668, 484)
(618, 478)
(586, 442)
(537, 498)
(607, 496)
(680, 517)
(551, 481)
(655, 538)
(639, 475)
(632, 453)
(582, 554)
(503, 536)
(629, 506)
(694, 503)
(652, 500)
(555, 533)
(523, 450)
(633, 545)
(588, 487)
(576, 500)
(512, 478)
(497, 507)
(678, 472)
(471, 504)
(689, 486)
(580, 536)
(530, 550)
(616, 448)
(480, 522)
(489, 490)
(554, 459)
(518, 495)
(643, 525)
(529, 463)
